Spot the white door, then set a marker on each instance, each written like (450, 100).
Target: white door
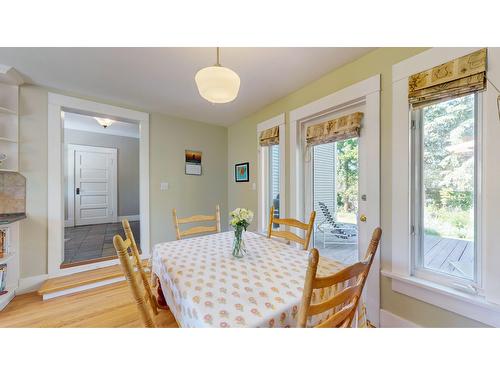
(95, 184)
(342, 184)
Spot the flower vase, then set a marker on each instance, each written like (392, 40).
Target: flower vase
(238, 243)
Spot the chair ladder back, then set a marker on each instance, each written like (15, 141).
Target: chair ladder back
(344, 303)
(138, 263)
(216, 228)
(122, 247)
(290, 236)
(369, 257)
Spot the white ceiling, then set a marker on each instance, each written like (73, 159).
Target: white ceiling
(162, 79)
(86, 123)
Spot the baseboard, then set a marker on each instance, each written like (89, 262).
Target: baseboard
(390, 320)
(68, 223)
(130, 217)
(81, 288)
(31, 284)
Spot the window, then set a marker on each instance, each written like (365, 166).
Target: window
(271, 165)
(273, 187)
(335, 175)
(445, 189)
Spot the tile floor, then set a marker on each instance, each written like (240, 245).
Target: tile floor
(94, 241)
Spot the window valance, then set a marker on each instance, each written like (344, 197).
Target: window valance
(270, 137)
(338, 129)
(457, 77)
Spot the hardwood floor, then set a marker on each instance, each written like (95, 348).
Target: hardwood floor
(105, 307)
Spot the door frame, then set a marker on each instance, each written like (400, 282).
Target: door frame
(58, 103)
(71, 220)
(368, 93)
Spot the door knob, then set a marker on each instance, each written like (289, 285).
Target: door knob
(362, 218)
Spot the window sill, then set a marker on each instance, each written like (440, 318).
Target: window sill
(470, 306)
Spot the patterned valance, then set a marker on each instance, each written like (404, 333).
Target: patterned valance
(461, 76)
(270, 137)
(341, 128)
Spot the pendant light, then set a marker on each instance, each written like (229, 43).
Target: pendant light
(217, 84)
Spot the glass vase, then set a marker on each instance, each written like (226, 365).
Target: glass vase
(239, 248)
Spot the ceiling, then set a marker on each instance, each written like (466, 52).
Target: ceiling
(86, 123)
(162, 79)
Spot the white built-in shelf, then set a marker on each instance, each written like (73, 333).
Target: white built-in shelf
(10, 80)
(7, 297)
(7, 110)
(8, 140)
(7, 257)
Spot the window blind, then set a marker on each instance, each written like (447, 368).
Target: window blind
(338, 129)
(454, 78)
(270, 137)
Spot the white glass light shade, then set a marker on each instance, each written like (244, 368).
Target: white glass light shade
(217, 84)
(104, 122)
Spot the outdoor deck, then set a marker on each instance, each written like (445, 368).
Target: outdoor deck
(449, 255)
(453, 256)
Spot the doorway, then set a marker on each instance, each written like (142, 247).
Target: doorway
(101, 186)
(96, 179)
(340, 180)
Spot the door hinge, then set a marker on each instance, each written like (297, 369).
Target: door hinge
(412, 230)
(412, 125)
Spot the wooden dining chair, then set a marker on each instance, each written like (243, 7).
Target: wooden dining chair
(196, 219)
(140, 265)
(343, 304)
(141, 291)
(287, 235)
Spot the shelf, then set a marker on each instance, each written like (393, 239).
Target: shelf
(8, 140)
(8, 170)
(7, 297)
(7, 110)
(7, 257)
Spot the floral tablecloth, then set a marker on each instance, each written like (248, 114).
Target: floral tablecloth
(205, 286)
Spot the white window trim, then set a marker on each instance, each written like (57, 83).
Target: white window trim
(484, 309)
(55, 210)
(262, 168)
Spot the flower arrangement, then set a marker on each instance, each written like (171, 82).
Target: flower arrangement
(240, 220)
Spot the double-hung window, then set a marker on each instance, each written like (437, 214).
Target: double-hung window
(445, 187)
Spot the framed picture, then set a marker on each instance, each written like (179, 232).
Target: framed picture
(241, 172)
(193, 162)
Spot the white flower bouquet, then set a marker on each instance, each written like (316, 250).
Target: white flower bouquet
(240, 220)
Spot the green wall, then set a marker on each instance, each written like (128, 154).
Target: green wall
(242, 147)
(169, 137)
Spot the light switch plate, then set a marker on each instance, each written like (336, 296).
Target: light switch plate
(163, 186)
(254, 186)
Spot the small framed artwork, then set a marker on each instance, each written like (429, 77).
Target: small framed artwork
(193, 162)
(241, 172)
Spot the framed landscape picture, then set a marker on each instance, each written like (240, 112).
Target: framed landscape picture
(241, 172)
(193, 162)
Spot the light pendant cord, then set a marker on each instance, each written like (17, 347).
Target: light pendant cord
(218, 56)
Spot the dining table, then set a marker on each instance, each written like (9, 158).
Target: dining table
(204, 285)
